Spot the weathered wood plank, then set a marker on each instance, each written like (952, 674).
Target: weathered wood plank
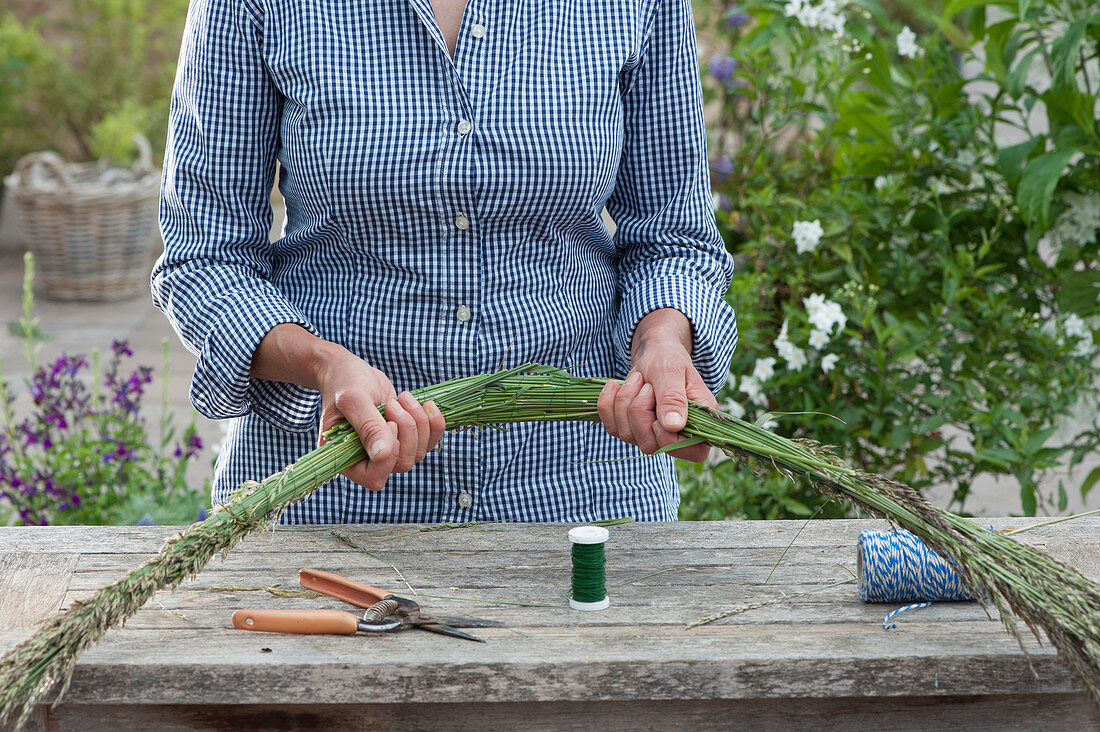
(839, 604)
(32, 587)
(822, 646)
(545, 664)
(974, 714)
(514, 537)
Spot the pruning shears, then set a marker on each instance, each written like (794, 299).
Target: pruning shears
(384, 612)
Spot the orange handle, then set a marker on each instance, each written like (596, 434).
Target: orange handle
(296, 621)
(341, 588)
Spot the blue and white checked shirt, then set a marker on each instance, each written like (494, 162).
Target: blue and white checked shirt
(443, 219)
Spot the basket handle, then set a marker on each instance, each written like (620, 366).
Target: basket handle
(50, 160)
(145, 150)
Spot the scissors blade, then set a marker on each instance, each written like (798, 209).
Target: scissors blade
(437, 627)
(467, 622)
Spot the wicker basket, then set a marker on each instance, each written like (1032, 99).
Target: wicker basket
(91, 227)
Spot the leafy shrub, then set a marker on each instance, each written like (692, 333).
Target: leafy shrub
(83, 79)
(917, 255)
(84, 454)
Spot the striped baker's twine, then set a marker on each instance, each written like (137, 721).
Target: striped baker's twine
(896, 566)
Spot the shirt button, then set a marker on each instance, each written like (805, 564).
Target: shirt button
(478, 31)
(462, 222)
(464, 127)
(463, 313)
(465, 499)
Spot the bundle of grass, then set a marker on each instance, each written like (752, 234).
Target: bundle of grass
(1021, 581)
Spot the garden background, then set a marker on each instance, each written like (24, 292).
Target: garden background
(911, 191)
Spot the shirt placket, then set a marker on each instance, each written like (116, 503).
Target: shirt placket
(460, 312)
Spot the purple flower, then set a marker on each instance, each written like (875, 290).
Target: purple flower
(76, 500)
(201, 515)
(735, 18)
(192, 446)
(120, 453)
(723, 68)
(721, 169)
(121, 348)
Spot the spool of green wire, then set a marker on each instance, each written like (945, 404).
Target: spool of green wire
(589, 590)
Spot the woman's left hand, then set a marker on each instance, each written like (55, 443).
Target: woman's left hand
(649, 408)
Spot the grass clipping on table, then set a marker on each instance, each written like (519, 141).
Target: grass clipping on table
(1021, 581)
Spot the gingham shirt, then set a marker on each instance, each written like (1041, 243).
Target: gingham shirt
(443, 219)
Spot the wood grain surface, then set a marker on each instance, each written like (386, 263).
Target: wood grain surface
(179, 664)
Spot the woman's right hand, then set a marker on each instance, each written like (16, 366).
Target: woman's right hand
(350, 390)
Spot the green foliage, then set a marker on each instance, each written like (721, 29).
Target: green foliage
(81, 81)
(81, 452)
(942, 310)
(28, 67)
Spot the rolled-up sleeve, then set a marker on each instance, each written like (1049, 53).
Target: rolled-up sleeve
(213, 279)
(670, 252)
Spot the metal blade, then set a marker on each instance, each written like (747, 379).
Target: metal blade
(467, 622)
(437, 627)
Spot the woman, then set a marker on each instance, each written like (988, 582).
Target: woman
(444, 166)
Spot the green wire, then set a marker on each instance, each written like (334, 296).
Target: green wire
(588, 573)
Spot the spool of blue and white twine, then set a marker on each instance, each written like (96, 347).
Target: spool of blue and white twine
(896, 566)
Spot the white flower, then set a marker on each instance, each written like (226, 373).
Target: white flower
(883, 182)
(1081, 220)
(1084, 347)
(793, 8)
(734, 409)
(796, 359)
(807, 235)
(1074, 327)
(753, 389)
(764, 369)
(828, 362)
(826, 15)
(818, 338)
(907, 43)
(789, 352)
(769, 424)
(824, 314)
(784, 347)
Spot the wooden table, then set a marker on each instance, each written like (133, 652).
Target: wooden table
(820, 660)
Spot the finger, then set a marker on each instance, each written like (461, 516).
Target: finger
(640, 414)
(694, 453)
(437, 424)
(628, 392)
(371, 428)
(330, 416)
(376, 472)
(416, 411)
(670, 389)
(407, 440)
(605, 407)
(697, 390)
